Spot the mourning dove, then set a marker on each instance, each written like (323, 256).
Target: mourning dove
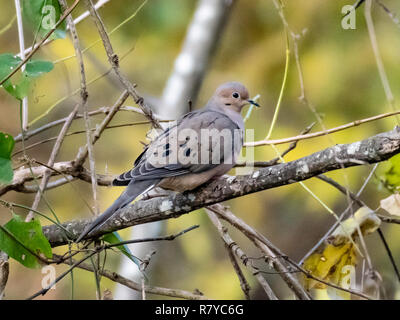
(198, 147)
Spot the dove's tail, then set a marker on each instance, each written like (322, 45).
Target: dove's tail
(132, 191)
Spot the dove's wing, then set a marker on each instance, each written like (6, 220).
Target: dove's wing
(199, 141)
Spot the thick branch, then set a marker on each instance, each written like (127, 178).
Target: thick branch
(374, 149)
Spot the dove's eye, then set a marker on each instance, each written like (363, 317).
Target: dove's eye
(235, 95)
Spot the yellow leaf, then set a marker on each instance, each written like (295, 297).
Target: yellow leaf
(335, 260)
(364, 218)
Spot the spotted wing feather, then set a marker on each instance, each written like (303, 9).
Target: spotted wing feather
(177, 151)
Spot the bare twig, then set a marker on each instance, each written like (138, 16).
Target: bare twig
(377, 54)
(83, 152)
(278, 258)
(391, 15)
(4, 271)
(234, 248)
(130, 124)
(114, 62)
(266, 247)
(389, 219)
(36, 48)
(102, 110)
(321, 133)
(244, 285)
(276, 160)
(389, 252)
(73, 93)
(342, 189)
(176, 293)
(83, 16)
(91, 253)
(84, 97)
(51, 161)
(22, 55)
(336, 224)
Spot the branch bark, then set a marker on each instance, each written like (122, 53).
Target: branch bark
(4, 271)
(371, 150)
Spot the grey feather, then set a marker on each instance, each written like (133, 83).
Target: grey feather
(132, 191)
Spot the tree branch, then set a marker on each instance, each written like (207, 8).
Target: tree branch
(114, 62)
(371, 150)
(113, 276)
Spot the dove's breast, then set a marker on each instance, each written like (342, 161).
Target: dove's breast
(191, 181)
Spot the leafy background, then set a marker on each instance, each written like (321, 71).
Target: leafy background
(341, 81)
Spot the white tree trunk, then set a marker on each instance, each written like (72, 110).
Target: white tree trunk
(182, 86)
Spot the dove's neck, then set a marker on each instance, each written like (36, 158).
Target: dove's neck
(232, 114)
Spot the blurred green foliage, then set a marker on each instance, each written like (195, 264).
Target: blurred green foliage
(392, 175)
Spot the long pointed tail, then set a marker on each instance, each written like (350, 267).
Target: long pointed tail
(133, 190)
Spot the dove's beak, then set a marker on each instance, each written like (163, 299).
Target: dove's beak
(253, 103)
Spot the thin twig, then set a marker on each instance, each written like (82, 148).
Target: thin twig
(276, 160)
(22, 55)
(377, 54)
(354, 198)
(244, 285)
(113, 276)
(321, 133)
(102, 110)
(163, 238)
(84, 97)
(360, 203)
(110, 33)
(83, 16)
(51, 161)
(91, 81)
(114, 62)
(233, 247)
(391, 15)
(336, 224)
(123, 125)
(96, 250)
(389, 219)
(278, 265)
(275, 254)
(389, 252)
(36, 48)
(83, 152)
(4, 272)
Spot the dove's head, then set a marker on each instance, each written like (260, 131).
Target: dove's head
(233, 96)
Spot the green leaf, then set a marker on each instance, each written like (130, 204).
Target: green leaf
(113, 238)
(392, 175)
(35, 68)
(8, 86)
(24, 235)
(22, 88)
(7, 63)
(42, 15)
(6, 146)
